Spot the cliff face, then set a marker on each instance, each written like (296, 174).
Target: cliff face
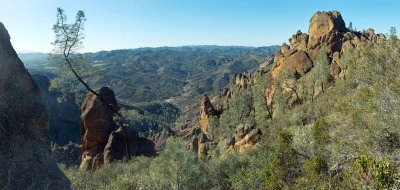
(25, 161)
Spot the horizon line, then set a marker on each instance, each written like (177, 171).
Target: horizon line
(148, 47)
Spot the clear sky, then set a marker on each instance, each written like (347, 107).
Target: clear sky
(121, 24)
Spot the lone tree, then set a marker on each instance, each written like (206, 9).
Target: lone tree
(68, 40)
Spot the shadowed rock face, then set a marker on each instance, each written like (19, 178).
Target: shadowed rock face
(25, 161)
(63, 116)
(102, 142)
(116, 147)
(96, 126)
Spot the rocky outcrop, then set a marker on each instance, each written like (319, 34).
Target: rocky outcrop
(25, 155)
(203, 146)
(96, 126)
(245, 136)
(159, 138)
(117, 147)
(323, 25)
(238, 82)
(206, 111)
(327, 31)
(102, 141)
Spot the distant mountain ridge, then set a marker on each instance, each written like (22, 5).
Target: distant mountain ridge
(157, 85)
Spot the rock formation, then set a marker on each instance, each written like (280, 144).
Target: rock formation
(104, 142)
(159, 138)
(324, 25)
(206, 111)
(238, 82)
(25, 156)
(326, 29)
(245, 136)
(96, 126)
(116, 148)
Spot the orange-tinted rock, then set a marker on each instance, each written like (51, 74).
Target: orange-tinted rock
(298, 62)
(206, 111)
(323, 23)
(246, 136)
(240, 81)
(299, 41)
(25, 155)
(96, 126)
(203, 149)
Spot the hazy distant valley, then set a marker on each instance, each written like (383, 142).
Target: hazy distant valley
(158, 86)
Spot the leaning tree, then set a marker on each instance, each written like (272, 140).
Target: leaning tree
(68, 40)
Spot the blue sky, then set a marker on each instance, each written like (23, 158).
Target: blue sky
(121, 24)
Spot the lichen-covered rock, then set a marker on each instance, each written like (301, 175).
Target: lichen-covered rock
(25, 154)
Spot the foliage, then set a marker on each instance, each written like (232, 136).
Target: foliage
(71, 68)
(176, 168)
(282, 168)
(320, 75)
(373, 173)
(346, 138)
(240, 111)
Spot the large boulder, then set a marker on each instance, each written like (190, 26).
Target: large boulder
(25, 155)
(96, 126)
(323, 23)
